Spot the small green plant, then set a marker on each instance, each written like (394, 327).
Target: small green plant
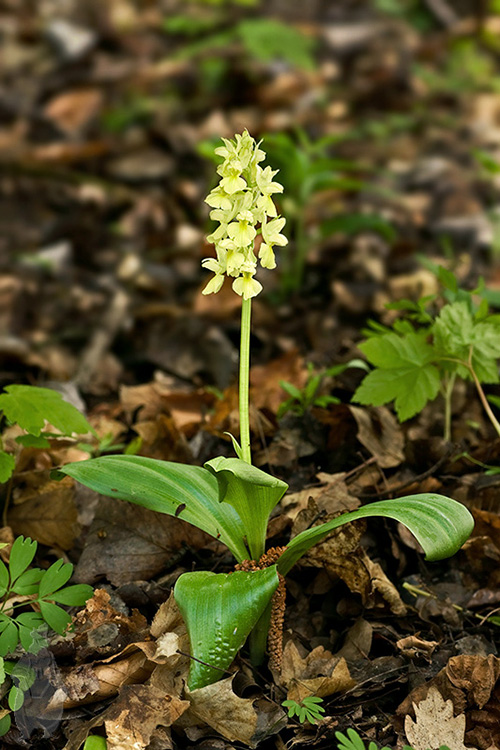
(302, 399)
(46, 589)
(32, 408)
(229, 498)
(424, 353)
(352, 741)
(309, 709)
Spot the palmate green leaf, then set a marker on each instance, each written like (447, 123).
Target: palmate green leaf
(405, 373)
(7, 466)
(31, 407)
(457, 332)
(220, 610)
(189, 492)
(440, 524)
(252, 493)
(73, 596)
(27, 583)
(55, 617)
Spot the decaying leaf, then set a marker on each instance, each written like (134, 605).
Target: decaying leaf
(472, 683)
(233, 717)
(381, 435)
(127, 543)
(435, 724)
(319, 673)
(47, 514)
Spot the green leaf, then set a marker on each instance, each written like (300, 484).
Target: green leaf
(220, 610)
(33, 441)
(405, 373)
(5, 723)
(267, 39)
(456, 332)
(15, 698)
(73, 596)
(93, 742)
(55, 617)
(31, 407)
(252, 493)
(4, 579)
(189, 492)
(440, 524)
(7, 466)
(55, 577)
(21, 556)
(27, 583)
(291, 389)
(23, 675)
(9, 638)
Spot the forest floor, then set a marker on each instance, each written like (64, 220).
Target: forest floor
(108, 115)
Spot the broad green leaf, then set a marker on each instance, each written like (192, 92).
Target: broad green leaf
(5, 722)
(55, 577)
(55, 617)
(73, 596)
(15, 698)
(33, 441)
(2, 671)
(405, 373)
(220, 610)
(31, 407)
(440, 524)
(7, 466)
(93, 742)
(266, 39)
(189, 492)
(252, 493)
(21, 556)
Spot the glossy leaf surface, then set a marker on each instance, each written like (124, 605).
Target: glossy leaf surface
(440, 524)
(252, 493)
(189, 492)
(220, 610)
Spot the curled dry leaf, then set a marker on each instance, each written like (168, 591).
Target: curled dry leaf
(233, 717)
(413, 646)
(341, 556)
(319, 673)
(380, 433)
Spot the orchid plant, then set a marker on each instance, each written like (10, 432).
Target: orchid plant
(229, 498)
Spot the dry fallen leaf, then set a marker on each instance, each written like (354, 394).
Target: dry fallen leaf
(319, 673)
(380, 433)
(435, 724)
(47, 514)
(233, 717)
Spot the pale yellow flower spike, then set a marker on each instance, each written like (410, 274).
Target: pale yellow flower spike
(241, 202)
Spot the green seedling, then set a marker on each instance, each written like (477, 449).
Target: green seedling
(309, 709)
(32, 408)
(352, 741)
(46, 589)
(228, 498)
(424, 353)
(301, 400)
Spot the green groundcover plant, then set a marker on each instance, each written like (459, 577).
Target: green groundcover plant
(229, 498)
(46, 590)
(424, 353)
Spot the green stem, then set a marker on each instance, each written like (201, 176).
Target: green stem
(246, 310)
(486, 404)
(258, 637)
